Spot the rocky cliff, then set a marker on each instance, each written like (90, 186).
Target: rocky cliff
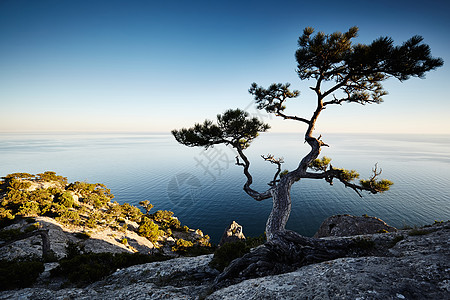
(416, 265)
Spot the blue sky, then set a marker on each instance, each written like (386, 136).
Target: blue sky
(159, 65)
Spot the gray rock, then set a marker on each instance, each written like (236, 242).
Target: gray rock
(347, 225)
(416, 266)
(420, 270)
(233, 233)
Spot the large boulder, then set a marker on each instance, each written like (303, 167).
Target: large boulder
(233, 233)
(347, 225)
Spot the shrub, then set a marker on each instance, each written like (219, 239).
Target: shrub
(65, 198)
(182, 245)
(131, 212)
(166, 219)
(84, 235)
(32, 227)
(225, 254)
(15, 274)
(416, 231)
(51, 176)
(88, 268)
(146, 205)
(149, 229)
(29, 208)
(10, 234)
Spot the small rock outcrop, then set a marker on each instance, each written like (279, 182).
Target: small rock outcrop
(347, 225)
(233, 233)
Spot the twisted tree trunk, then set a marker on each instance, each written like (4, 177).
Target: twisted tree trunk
(281, 209)
(46, 250)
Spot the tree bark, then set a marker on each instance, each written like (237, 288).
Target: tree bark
(46, 251)
(281, 208)
(287, 251)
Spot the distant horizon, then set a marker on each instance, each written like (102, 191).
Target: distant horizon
(169, 133)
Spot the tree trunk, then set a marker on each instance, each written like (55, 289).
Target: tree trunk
(288, 251)
(281, 209)
(46, 250)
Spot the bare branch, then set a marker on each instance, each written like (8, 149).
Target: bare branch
(278, 162)
(246, 165)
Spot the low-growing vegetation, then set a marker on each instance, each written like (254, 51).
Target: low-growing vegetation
(228, 252)
(86, 208)
(81, 269)
(19, 274)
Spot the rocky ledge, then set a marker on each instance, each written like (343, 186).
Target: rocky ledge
(415, 265)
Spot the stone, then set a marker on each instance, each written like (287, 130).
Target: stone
(233, 233)
(416, 266)
(347, 225)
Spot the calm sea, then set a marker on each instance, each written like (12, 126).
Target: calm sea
(204, 188)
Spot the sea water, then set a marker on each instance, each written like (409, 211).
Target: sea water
(204, 187)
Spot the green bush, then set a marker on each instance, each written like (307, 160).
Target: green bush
(51, 176)
(166, 219)
(149, 229)
(84, 235)
(10, 234)
(225, 254)
(29, 208)
(65, 198)
(88, 268)
(16, 275)
(131, 212)
(182, 245)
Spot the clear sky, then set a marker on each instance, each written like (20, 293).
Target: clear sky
(158, 65)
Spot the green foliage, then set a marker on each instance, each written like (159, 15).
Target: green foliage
(131, 212)
(358, 70)
(29, 209)
(225, 254)
(18, 176)
(84, 235)
(51, 176)
(283, 173)
(377, 185)
(182, 245)
(9, 234)
(73, 249)
(65, 198)
(32, 227)
(348, 175)
(88, 268)
(149, 229)
(17, 275)
(146, 205)
(233, 127)
(320, 164)
(67, 217)
(417, 231)
(124, 241)
(166, 219)
(94, 194)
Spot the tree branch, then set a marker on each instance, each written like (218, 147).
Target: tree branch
(246, 165)
(278, 162)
